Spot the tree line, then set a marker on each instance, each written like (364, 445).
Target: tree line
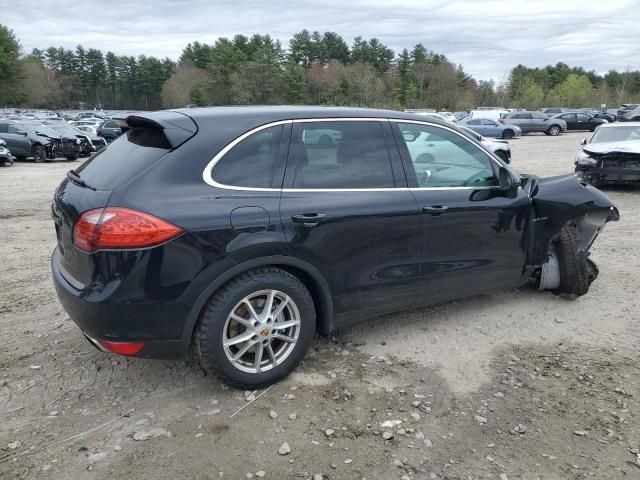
(316, 68)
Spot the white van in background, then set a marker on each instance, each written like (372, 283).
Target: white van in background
(494, 115)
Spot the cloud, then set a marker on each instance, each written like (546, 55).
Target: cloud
(488, 37)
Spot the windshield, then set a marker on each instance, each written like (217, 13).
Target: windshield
(36, 128)
(616, 134)
(66, 130)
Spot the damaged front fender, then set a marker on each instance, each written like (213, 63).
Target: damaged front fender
(559, 200)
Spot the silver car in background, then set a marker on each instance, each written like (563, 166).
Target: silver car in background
(499, 147)
(531, 122)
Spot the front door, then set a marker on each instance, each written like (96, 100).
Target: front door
(473, 231)
(346, 209)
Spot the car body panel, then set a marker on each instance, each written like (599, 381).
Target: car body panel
(376, 251)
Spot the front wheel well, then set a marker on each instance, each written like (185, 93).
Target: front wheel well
(324, 321)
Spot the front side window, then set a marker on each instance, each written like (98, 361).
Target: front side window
(341, 155)
(582, 117)
(14, 129)
(442, 158)
(251, 163)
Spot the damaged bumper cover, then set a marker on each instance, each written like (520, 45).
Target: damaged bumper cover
(613, 164)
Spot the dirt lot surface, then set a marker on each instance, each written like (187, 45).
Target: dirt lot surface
(513, 385)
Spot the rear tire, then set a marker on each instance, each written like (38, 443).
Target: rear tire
(39, 154)
(217, 324)
(508, 134)
(554, 130)
(577, 271)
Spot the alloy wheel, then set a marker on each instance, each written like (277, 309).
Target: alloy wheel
(261, 331)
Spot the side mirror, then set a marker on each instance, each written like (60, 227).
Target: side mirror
(583, 141)
(506, 180)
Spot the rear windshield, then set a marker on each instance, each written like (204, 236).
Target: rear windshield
(127, 156)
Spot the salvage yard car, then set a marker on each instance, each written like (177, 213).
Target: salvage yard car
(489, 128)
(531, 122)
(25, 143)
(6, 157)
(612, 155)
(499, 147)
(63, 145)
(220, 231)
(580, 121)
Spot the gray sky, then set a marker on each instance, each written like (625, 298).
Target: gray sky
(487, 37)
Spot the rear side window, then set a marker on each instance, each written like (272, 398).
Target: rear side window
(125, 157)
(252, 162)
(342, 155)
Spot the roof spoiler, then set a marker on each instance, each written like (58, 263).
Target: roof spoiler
(177, 127)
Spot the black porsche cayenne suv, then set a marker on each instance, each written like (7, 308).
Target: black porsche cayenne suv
(242, 231)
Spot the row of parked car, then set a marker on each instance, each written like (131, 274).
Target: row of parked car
(50, 136)
(509, 123)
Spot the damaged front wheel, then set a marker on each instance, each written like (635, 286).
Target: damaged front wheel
(577, 271)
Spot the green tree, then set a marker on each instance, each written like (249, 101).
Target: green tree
(10, 68)
(533, 96)
(574, 91)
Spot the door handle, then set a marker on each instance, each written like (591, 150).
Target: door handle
(308, 219)
(435, 210)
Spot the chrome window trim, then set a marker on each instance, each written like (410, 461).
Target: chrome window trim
(208, 177)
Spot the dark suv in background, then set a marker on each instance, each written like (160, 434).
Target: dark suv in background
(236, 233)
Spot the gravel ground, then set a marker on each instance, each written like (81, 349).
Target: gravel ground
(512, 385)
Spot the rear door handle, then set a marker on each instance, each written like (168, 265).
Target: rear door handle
(308, 219)
(435, 209)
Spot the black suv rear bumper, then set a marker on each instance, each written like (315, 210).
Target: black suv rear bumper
(100, 316)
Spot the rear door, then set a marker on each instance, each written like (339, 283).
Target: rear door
(346, 209)
(473, 232)
(16, 141)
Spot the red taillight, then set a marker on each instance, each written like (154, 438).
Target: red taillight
(98, 130)
(123, 348)
(501, 120)
(107, 228)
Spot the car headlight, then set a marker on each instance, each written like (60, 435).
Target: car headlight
(585, 160)
(78, 141)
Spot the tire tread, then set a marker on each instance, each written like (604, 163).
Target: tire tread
(212, 310)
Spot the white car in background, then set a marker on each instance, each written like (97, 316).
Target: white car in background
(90, 122)
(499, 147)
